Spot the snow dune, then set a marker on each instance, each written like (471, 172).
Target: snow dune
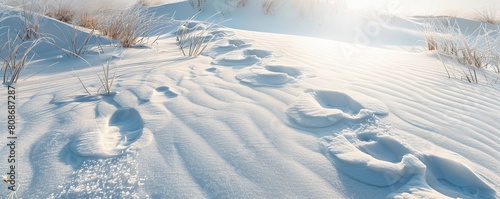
(258, 115)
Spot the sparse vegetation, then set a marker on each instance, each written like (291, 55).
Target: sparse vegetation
(29, 21)
(489, 15)
(197, 4)
(61, 10)
(193, 39)
(73, 43)
(431, 42)
(87, 20)
(16, 55)
(242, 3)
(477, 49)
(61, 14)
(269, 6)
(129, 26)
(106, 78)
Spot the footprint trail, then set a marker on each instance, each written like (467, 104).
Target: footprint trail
(370, 154)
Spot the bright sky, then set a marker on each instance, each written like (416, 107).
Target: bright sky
(423, 7)
(462, 8)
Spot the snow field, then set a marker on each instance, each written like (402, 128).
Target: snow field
(257, 115)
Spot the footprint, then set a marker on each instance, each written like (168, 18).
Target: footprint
(211, 70)
(261, 77)
(165, 90)
(246, 57)
(124, 127)
(455, 179)
(322, 108)
(239, 43)
(271, 75)
(218, 34)
(370, 156)
(200, 72)
(227, 45)
(350, 155)
(290, 71)
(381, 147)
(236, 60)
(129, 122)
(261, 54)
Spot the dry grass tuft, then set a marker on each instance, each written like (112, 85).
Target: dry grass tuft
(269, 6)
(448, 39)
(106, 79)
(197, 4)
(87, 20)
(129, 26)
(242, 3)
(29, 22)
(489, 16)
(63, 14)
(192, 41)
(478, 49)
(431, 42)
(16, 55)
(73, 44)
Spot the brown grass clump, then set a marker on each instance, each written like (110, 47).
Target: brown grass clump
(129, 26)
(87, 20)
(62, 14)
(476, 49)
(111, 27)
(431, 42)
